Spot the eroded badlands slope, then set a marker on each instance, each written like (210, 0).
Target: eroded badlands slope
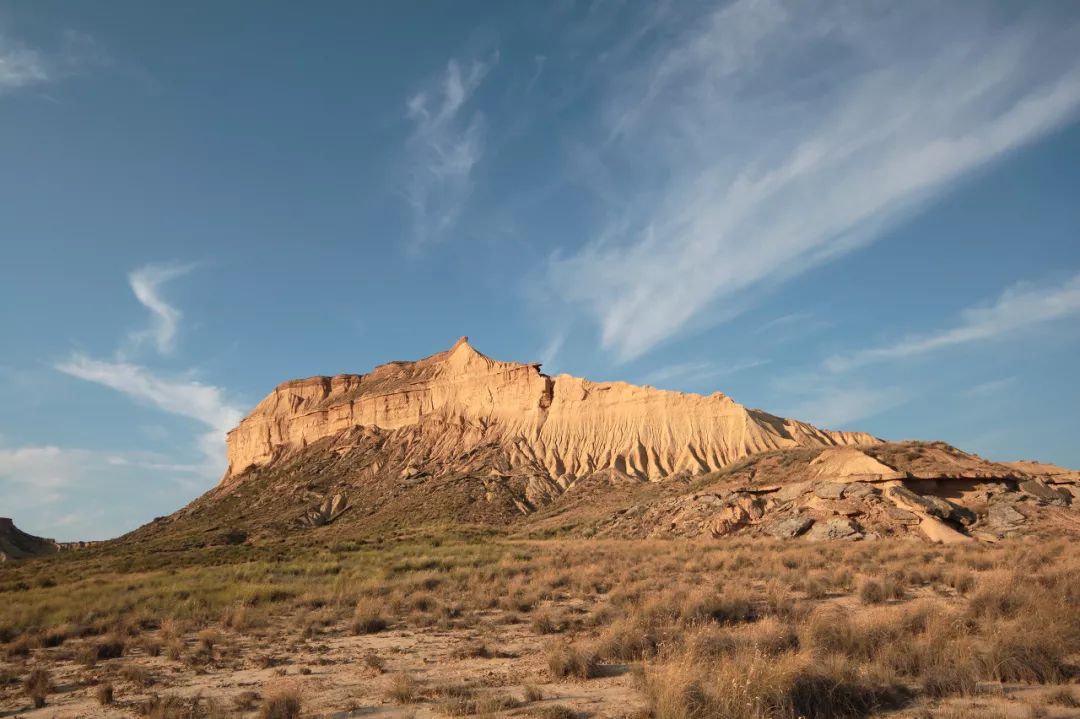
(458, 439)
(565, 426)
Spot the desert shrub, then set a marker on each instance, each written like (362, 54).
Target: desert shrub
(208, 639)
(567, 660)
(246, 701)
(368, 618)
(109, 648)
(18, 648)
(875, 592)
(533, 693)
(137, 675)
(628, 639)
(174, 649)
(1021, 652)
(727, 608)
(1063, 698)
(36, 687)
(753, 686)
(403, 689)
(374, 662)
(554, 711)
(241, 617)
(171, 706)
(474, 649)
(770, 637)
(104, 694)
(281, 702)
(546, 623)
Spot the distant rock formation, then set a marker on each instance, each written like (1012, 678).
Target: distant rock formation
(570, 427)
(16, 544)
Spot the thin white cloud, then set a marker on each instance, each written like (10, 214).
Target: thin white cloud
(445, 146)
(203, 403)
(773, 136)
(146, 283)
(53, 490)
(990, 388)
(20, 66)
(837, 407)
(692, 373)
(551, 351)
(1019, 308)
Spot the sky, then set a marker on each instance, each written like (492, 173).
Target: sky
(861, 214)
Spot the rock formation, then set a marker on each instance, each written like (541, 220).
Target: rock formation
(460, 440)
(16, 544)
(570, 427)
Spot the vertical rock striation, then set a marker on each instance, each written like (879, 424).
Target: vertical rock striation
(567, 426)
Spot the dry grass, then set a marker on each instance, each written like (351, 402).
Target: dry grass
(368, 617)
(403, 689)
(732, 628)
(281, 702)
(37, 686)
(566, 660)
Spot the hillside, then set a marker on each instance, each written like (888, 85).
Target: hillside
(17, 544)
(460, 440)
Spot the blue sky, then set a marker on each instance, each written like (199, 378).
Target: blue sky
(865, 215)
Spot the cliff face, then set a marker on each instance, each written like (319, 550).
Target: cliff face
(564, 426)
(16, 544)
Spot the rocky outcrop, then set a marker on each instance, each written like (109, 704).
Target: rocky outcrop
(566, 426)
(16, 544)
(925, 491)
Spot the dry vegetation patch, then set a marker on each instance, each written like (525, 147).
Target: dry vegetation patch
(547, 628)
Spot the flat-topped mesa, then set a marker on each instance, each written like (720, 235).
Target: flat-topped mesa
(568, 426)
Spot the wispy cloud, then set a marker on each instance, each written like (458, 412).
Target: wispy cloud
(54, 490)
(989, 388)
(146, 283)
(772, 136)
(203, 403)
(551, 350)
(445, 145)
(793, 318)
(1018, 308)
(694, 373)
(182, 396)
(20, 66)
(838, 406)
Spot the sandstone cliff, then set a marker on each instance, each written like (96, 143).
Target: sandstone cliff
(564, 426)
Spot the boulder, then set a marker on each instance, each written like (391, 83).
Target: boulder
(791, 491)
(901, 515)
(934, 506)
(1002, 514)
(830, 490)
(788, 528)
(859, 490)
(835, 529)
(1039, 490)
